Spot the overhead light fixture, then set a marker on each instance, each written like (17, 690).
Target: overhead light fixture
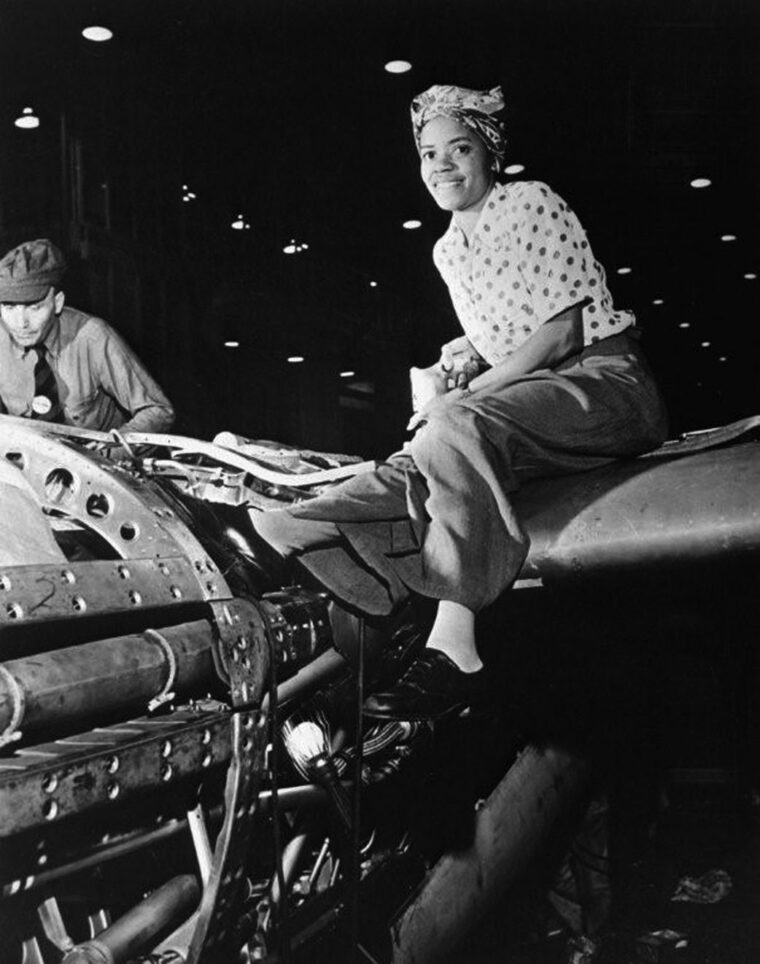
(96, 34)
(27, 120)
(624, 270)
(412, 225)
(295, 247)
(398, 66)
(705, 344)
(240, 224)
(658, 301)
(373, 284)
(728, 237)
(232, 344)
(700, 182)
(188, 195)
(723, 358)
(750, 276)
(514, 169)
(295, 359)
(684, 324)
(347, 374)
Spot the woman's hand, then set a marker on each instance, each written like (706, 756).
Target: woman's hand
(435, 404)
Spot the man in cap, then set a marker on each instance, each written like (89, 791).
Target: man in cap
(62, 365)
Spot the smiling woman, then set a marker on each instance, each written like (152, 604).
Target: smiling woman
(546, 379)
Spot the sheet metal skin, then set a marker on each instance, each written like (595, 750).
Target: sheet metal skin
(665, 510)
(645, 513)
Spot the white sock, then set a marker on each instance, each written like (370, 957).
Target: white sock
(453, 633)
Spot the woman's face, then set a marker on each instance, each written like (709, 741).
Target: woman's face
(455, 165)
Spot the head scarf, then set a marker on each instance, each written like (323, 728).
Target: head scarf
(473, 108)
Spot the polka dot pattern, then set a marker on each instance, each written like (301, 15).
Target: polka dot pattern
(501, 284)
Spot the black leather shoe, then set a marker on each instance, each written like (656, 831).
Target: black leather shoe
(432, 687)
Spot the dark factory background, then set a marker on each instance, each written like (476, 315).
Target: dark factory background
(231, 183)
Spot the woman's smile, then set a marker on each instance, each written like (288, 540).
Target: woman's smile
(455, 165)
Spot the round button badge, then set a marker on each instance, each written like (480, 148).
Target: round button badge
(41, 404)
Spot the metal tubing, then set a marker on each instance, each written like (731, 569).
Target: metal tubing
(70, 685)
(309, 677)
(137, 930)
(514, 823)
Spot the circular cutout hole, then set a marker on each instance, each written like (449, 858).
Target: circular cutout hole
(206, 737)
(50, 783)
(206, 761)
(163, 569)
(176, 592)
(129, 531)
(50, 810)
(17, 458)
(134, 597)
(5, 583)
(112, 764)
(68, 578)
(124, 572)
(167, 772)
(79, 604)
(113, 790)
(99, 505)
(211, 588)
(14, 611)
(60, 486)
(166, 748)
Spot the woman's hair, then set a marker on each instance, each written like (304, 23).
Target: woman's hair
(473, 108)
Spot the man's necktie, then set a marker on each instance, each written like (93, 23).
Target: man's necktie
(46, 404)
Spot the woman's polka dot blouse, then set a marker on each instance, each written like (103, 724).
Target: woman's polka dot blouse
(528, 260)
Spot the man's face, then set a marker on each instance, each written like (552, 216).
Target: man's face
(29, 324)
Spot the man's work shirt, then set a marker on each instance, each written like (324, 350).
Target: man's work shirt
(102, 384)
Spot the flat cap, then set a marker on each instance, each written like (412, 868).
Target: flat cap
(28, 271)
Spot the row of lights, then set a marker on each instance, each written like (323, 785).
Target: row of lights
(697, 183)
(27, 119)
(240, 224)
(291, 359)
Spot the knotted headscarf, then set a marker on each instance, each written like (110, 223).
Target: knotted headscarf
(473, 108)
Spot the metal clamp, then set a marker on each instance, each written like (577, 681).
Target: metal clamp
(167, 692)
(12, 733)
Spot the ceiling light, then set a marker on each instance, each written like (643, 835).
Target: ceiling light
(700, 182)
(232, 344)
(728, 237)
(514, 169)
(347, 374)
(624, 270)
(398, 66)
(658, 301)
(705, 344)
(750, 276)
(412, 225)
(28, 119)
(684, 324)
(295, 359)
(723, 358)
(373, 284)
(240, 224)
(97, 34)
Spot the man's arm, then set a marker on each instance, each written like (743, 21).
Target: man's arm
(125, 377)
